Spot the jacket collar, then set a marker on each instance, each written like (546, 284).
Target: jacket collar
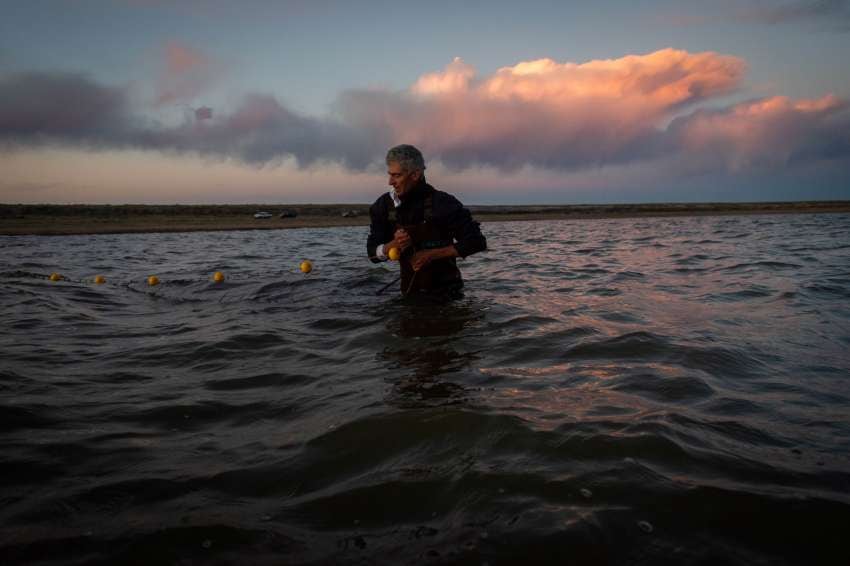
(417, 192)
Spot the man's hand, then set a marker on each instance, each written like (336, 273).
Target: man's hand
(401, 240)
(423, 257)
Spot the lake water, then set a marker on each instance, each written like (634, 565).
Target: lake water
(629, 391)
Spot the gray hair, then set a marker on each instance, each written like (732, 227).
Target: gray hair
(407, 156)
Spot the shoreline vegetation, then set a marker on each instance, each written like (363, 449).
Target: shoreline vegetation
(55, 219)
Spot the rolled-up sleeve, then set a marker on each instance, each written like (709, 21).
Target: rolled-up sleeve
(467, 232)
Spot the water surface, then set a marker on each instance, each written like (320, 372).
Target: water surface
(630, 391)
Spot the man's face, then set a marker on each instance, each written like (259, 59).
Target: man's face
(401, 180)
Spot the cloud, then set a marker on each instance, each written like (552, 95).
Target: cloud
(43, 107)
(261, 130)
(836, 13)
(639, 110)
(60, 109)
(766, 134)
(543, 112)
(829, 15)
(185, 74)
(454, 79)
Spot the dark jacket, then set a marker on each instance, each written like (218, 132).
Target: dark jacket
(433, 219)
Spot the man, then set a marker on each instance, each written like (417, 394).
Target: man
(429, 228)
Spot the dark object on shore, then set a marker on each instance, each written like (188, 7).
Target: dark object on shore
(288, 214)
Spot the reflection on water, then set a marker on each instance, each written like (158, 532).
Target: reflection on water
(439, 319)
(423, 353)
(634, 391)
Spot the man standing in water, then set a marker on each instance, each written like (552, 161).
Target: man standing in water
(428, 227)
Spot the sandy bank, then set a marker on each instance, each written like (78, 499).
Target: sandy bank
(105, 219)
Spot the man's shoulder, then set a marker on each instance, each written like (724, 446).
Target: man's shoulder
(443, 199)
(381, 201)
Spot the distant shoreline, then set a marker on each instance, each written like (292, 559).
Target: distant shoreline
(60, 220)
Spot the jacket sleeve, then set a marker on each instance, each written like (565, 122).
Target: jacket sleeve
(467, 232)
(380, 231)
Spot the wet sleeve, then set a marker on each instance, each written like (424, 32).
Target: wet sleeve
(379, 231)
(467, 232)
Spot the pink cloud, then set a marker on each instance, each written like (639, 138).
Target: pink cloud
(185, 73)
(657, 81)
(454, 79)
(543, 111)
(770, 132)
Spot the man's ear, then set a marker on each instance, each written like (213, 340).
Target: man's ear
(416, 175)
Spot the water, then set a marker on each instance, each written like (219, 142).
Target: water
(636, 391)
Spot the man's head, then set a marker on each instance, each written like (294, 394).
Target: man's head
(405, 167)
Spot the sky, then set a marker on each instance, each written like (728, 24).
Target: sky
(547, 102)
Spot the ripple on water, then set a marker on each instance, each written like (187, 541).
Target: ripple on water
(278, 380)
(751, 293)
(632, 345)
(196, 416)
(669, 388)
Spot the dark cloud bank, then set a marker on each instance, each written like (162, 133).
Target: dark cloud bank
(72, 110)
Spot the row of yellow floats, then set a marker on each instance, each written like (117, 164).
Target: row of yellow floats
(153, 280)
(218, 277)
